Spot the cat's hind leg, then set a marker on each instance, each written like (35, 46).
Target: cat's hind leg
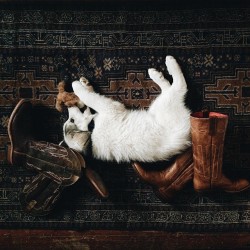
(179, 82)
(172, 96)
(161, 101)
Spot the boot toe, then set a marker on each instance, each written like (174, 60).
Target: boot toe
(241, 185)
(237, 186)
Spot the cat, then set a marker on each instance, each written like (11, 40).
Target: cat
(124, 135)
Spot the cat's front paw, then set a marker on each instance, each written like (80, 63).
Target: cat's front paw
(77, 86)
(172, 65)
(85, 82)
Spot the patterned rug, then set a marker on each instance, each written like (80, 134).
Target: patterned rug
(114, 48)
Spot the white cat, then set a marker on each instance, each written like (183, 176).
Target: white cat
(124, 135)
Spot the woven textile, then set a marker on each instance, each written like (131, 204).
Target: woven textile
(113, 49)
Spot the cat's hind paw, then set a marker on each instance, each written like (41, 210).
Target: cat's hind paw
(158, 78)
(172, 65)
(155, 75)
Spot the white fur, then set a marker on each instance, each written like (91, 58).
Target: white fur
(125, 135)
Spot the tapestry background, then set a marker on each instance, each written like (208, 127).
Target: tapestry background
(113, 48)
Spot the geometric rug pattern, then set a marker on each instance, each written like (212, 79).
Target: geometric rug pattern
(114, 49)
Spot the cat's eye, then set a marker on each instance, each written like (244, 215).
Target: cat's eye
(72, 120)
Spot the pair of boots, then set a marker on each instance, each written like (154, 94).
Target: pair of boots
(57, 166)
(201, 163)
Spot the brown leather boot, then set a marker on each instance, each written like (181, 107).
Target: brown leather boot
(208, 133)
(58, 163)
(170, 180)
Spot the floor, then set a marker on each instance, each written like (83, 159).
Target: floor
(74, 240)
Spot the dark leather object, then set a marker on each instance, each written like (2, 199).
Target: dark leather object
(57, 166)
(20, 131)
(96, 183)
(170, 180)
(39, 196)
(208, 134)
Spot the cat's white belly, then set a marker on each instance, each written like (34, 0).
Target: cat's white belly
(134, 139)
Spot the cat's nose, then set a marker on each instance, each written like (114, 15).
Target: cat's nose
(72, 120)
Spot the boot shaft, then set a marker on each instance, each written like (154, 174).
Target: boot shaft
(208, 134)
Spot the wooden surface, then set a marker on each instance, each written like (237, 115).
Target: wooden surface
(112, 240)
(170, 3)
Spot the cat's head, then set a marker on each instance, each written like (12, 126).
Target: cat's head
(75, 129)
(78, 120)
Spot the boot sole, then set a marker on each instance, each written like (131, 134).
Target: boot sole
(207, 191)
